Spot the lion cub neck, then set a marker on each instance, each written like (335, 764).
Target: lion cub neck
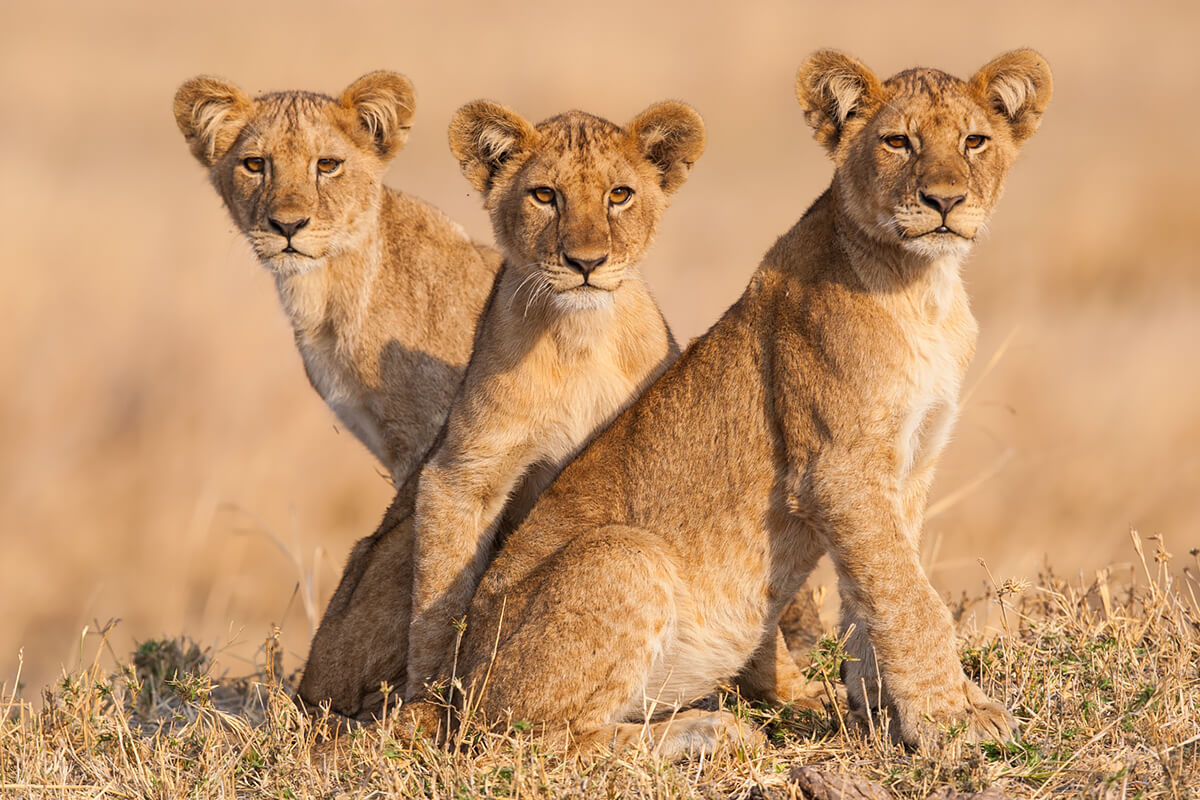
(927, 286)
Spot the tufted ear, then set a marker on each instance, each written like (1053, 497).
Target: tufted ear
(210, 113)
(484, 136)
(1017, 86)
(670, 136)
(833, 88)
(384, 103)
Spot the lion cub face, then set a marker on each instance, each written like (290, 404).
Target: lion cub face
(922, 157)
(299, 172)
(576, 199)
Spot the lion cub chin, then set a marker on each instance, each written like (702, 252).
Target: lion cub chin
(807, 420)
(569, 338)
(382, 289)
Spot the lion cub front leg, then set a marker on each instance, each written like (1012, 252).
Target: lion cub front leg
(459, 507)
(860, 671)
(909, 626)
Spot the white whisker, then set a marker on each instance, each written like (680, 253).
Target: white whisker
(533, 276)
(542, 287)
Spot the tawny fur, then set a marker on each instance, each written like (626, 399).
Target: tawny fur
(382, 289)
(556, 359)
(807, 420)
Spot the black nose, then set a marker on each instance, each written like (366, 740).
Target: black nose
(584, 266)
(942, 204)
(288, 229)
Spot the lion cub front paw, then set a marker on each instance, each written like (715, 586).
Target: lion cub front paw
(813, 695)
(984, 718)
(988, 720)
(694, 733)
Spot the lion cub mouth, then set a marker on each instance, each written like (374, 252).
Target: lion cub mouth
(290, 261)
(942, 229)
(583, 297)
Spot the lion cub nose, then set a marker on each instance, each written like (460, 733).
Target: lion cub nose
(584, 266)
(942, 204)
(288, 229)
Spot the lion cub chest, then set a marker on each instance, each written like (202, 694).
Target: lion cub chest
(586, 389)
(938, 345)
(340, 386)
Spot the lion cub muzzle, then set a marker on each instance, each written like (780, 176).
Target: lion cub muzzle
(287, 229)
(942, 187)
(943, 205)
(584, 266)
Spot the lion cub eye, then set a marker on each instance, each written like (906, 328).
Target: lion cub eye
(328, 166)
(253, 164)
(620, 195)
(975, 141)
(897, 141)
(543, 194)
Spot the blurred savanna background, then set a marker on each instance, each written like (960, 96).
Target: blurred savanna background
(165, 462)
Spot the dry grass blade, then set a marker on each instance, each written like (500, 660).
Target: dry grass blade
(991, 364)
(953, 498)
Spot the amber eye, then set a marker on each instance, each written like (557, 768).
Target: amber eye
(328, 166)
(253, 164)
(620, 195)
(898, 141)
(975, 141)
(543, 194)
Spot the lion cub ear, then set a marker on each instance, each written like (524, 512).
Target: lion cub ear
(670, 135)
(384, 103)
(484, 136)
(834, 88)
(210, 114)
(1017, 86)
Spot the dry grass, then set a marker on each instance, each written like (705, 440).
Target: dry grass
(1103, 673)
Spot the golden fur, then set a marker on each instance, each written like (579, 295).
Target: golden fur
(807, 420)
(570, 337)
(382, 289)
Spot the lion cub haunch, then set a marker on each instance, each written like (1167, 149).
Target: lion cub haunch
(807, 420)
(382, 289)
(570, 337)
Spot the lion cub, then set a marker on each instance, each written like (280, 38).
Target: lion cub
(807, 420)
(570, 337)
(382, 289)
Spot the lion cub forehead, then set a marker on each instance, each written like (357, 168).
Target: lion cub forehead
(299, 120)
(582, 148)
(931, 98)
(929, 88)
(579, 130)
(292, 107)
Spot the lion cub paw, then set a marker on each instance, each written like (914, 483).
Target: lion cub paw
(984, 720)
(988, 720)
(695, 733)
(811, 694)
